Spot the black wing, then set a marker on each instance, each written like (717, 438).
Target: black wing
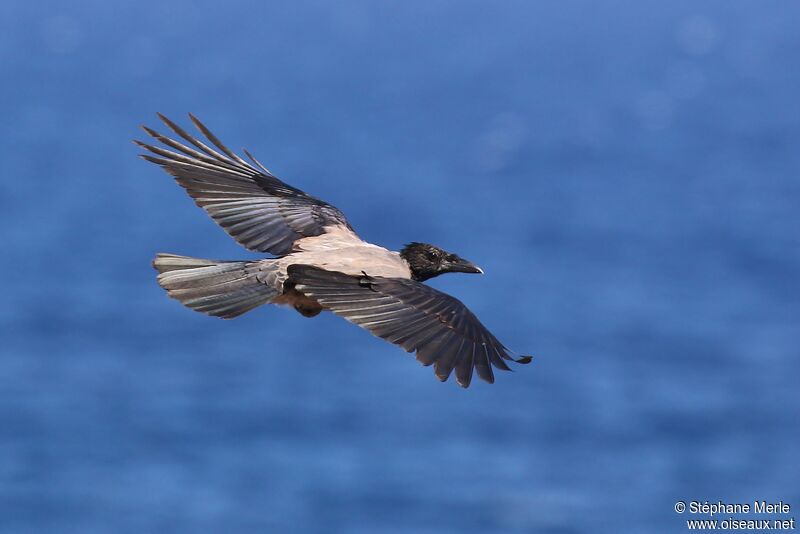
(415, 316)
(257, 209)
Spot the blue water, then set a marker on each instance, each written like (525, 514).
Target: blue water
(626, 173)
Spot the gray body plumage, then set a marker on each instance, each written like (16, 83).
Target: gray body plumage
(228, 289)
(320, 263)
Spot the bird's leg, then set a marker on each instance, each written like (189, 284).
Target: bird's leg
(366, 281)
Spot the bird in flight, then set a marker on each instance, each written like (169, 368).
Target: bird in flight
(318, 263)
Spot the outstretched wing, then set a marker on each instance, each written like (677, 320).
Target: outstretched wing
(257, 209)
(415, 316)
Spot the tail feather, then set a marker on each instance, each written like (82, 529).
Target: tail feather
(224, 289)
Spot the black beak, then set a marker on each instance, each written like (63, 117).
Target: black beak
(463, 266)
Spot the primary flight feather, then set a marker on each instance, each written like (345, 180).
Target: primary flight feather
(320, 263)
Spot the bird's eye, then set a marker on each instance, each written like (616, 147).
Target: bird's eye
(430, 255)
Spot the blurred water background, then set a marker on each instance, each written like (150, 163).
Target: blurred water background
(626, 173)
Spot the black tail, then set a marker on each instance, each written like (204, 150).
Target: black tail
(224, 289)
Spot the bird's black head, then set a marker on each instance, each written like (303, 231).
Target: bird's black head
(427, 261)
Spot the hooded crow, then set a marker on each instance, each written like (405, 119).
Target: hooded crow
(319, 262)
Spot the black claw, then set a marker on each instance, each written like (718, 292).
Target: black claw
(366, 281)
